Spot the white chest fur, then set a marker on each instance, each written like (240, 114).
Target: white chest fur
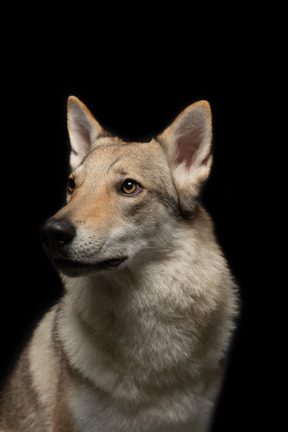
(94, 412)
(150, 354)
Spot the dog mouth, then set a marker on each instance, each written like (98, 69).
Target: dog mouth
(76, 268)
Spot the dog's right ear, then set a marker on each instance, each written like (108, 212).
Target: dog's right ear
(83, 130)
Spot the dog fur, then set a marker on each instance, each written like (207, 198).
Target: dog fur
(138, 342)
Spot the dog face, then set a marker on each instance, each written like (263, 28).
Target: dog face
(124, 200)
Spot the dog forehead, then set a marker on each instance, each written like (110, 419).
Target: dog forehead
(114, 152)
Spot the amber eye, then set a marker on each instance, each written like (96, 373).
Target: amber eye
(130, 187)
(71, 185)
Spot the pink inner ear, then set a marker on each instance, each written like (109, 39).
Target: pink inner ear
(187, 147)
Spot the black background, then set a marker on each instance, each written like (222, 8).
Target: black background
(135, 88)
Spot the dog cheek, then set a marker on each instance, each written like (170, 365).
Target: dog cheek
(151, 220)
(134, 212)
(145, 223)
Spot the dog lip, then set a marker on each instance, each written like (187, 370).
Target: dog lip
(76, 268)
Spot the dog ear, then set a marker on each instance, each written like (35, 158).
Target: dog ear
(83, 130)
(187, 143)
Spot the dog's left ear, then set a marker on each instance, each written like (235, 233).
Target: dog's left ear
(187, 143)
(83, 130)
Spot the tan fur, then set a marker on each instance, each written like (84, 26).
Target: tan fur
(138, 341)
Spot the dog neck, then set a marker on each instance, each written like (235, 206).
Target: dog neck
(121, 327)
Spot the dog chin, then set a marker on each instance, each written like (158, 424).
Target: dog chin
(76, 268)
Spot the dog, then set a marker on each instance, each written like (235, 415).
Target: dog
(139, 340)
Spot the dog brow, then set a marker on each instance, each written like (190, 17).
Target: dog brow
(113, 163)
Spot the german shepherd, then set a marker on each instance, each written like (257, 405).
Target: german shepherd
(138, 341)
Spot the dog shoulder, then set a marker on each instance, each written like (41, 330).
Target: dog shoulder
(44, 357)
(29, 394)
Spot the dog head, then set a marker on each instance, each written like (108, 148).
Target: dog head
(124, 200)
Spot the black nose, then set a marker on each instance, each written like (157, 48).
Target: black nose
(56, 233)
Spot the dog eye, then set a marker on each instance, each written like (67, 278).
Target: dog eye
(130, 187)
(71, 185)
